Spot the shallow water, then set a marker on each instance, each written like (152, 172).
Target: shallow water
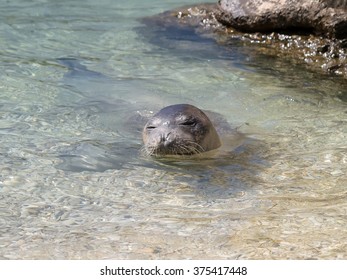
(73, 184)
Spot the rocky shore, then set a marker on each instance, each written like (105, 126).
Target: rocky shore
(311, 32)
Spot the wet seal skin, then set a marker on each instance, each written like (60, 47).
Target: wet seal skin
(180, 129)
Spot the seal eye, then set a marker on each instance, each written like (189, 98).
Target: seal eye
(151, 127)
(189, 122)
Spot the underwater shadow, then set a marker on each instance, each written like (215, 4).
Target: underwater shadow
(218, 174)
(191, 41)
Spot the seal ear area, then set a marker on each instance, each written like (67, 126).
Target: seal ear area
(211, 139)
(214, 141)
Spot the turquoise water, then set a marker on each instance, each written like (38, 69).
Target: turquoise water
(73, 184)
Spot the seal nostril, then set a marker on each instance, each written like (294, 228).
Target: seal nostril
(162, 138)
(166, 139)
(167, 136)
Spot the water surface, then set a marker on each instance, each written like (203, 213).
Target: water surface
(73, 184)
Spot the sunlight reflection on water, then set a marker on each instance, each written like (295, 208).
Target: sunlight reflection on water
(74, 185)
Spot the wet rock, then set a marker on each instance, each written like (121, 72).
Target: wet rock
(321, 17)
(300, 40)
(343, 43)
(200, 18)
(323, 49)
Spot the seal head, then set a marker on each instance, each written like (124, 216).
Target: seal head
(180, 129)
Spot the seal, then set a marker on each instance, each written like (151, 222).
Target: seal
(180, 129)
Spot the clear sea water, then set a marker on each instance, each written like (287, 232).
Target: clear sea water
(73, 184)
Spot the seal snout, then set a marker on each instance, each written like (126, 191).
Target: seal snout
(166, 139)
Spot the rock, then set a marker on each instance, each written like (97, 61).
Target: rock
(231, 22)
(186, 29)
(321, 17)
(201, 18)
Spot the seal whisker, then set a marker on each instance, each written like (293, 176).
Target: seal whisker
(198, 147)
(185, 150)
(194, 148)
(143, 150)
